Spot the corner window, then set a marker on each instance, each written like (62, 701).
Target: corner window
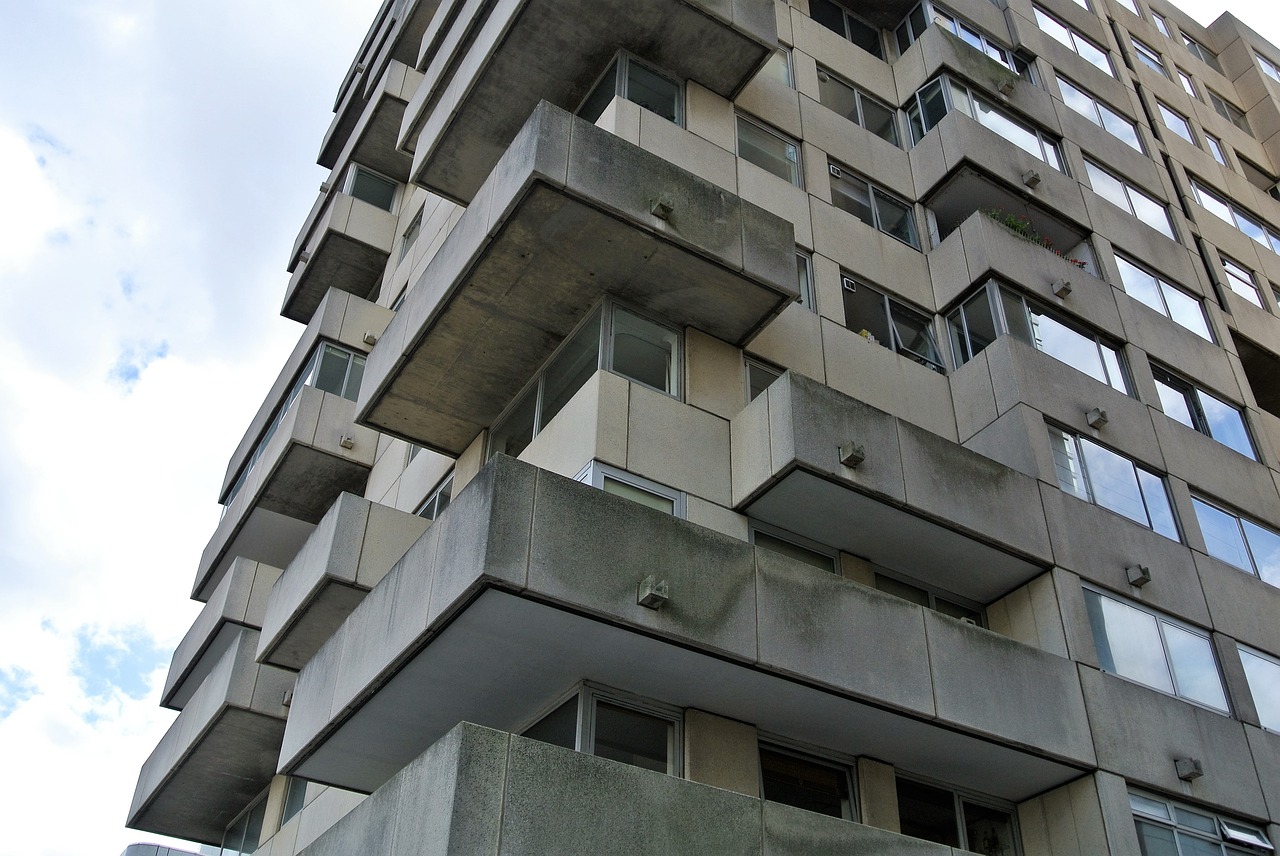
(1154, 650)
(1108, 118)
(633, 487)
(1168, 828)
(932, 102)
(857, 106)
(1204, 54)
(1240, 280)
(1229, 111)
(872, 205)
(1208, 414)
(1236, 540)
(368, 186)
(438, 500)
(631, 79)
(881, 319)
(795, 546)
(1129, 198)
(1263, 674)
(803, 781)
(614, 725)
(838, 19)
(769, 150)
(995, 310)
(1147, 56)
(1105, 478)
(1073, 41)
(945, 816)
(778, 67)
(611, 338)
(1164, 297)
(914, 25)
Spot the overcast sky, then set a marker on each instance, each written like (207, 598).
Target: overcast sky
(162, 154)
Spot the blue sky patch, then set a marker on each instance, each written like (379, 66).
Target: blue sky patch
(121, 661)
(132, 361)
(16, 686)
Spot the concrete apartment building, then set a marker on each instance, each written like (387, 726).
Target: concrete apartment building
(762, 427)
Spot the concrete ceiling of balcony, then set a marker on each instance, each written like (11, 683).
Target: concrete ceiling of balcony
(476, 96)
(966, 190)
(264, 536)
(340, 260)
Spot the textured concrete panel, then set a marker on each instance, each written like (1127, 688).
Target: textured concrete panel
(791, 831)
(349, 245)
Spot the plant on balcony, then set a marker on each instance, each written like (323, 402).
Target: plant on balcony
(1021, 226)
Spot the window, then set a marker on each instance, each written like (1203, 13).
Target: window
(1247, 223)
(778, 67)
(801, 549)
(970, 614)
(1130, 5)
(857, 106)
(295, 797)
(624, 343)
(1154, 650)
(1167, 828)
(1249, 546)
(1130, 198)
(1215, 149)
(873, 206)
(1147, 56)
(838, 19)
(438, 500)
(1188, 86)
(1269, 68)
(995, 310)
(1208, 414)
(633, 487)
(919, 19)
(759, 377)
(1095, 474)
(1161, 24)
(948, 817)
(410, 234)
(804, 280)
(1257, 176)
(884, 320)
(1207, 56)
(805, 782)
(1229, 111)
(1099, 113)
(614, 725)
(631, 79)
(1164, 297)
(931, 103)
(1085, 49)
(1240, 280)
(1263, 674)
(769, 150)
(242, 836)
(1176, 122)
(368, 186)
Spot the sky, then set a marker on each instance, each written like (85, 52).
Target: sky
(162, 153)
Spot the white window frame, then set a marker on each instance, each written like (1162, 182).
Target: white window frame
(1241, 281)
(875, 192)
(1226, 211)
(1164, 812)
(1196, 400)
(1176, 122)
(410, 234)
(792, 148)
(349, 182)
(890, 303)
(438, 499)
(1149, 56)
(619, 65)
(804, 280)
(595, 472)
(1269, 68)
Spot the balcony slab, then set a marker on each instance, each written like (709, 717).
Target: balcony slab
(344, 245)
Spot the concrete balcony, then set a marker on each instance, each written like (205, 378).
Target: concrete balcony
(220, 751)
(917, 503)
(476, 787)
(240, 600)
(527, 583)
(349, 552)
(344, 245)
(565, 218)
(495, 64)
(371, 139)
(301, 471)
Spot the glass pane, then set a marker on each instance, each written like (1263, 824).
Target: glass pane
(515, 432)
(1186, 310)
(1174, 403)
(1016, 318)
(914, 334)
(374, 189)
(1264, 684)
(1078, 101)
(653, 91)
(1195, 670)
(1107, 186)
(804, 784)
(1192, 846)
(644, 351)
(1113, 481)
(1176, 123)
(955, 610)
(758, 379)
(864, 313)
(828, 14)
(981, 321)
(896, 219)
(633, 738)
(933, 104)
(768, 151)
(647, 498)
(927, 812)
(571, 368)
(1140, 285)
(1151, 212)
(1120, 127)
(804, 280)
(1066, 464)
(778, 67)
(253, 826)
(1222, 536)
(801, 554)
(879, 120)
(1226, 424)
(600, 97)
(988, 830)
(1115, 374)
(1265, 547)
(1009, 128)
(854, 196)
(294, 799)
(331, 373)
(1093, 55)
(1149, 806)
(1213, 204)
(1156, 840)
(865, 37)
(1128, 641)
(354, 378)
(1159, 508)
(897, 588)
(837, 95)
(559, 727)
(1065, 344)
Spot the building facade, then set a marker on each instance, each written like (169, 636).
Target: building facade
(748, 426)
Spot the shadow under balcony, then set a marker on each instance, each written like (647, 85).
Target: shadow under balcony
(570, 213)
(494, 64)
(371, 140)
(219, 753)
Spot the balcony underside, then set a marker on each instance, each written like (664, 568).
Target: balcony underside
(565, 219)
(475, 93)
(340, 261)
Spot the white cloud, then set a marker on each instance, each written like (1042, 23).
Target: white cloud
(42, 212)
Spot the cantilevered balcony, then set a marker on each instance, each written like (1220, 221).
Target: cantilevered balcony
(908, 499)
(527, 584)
(344, 245)
(219, 753)
(349, 552)
(303, 447)
(372, 139)
(570, 214)
(239, 601)
(493, 64)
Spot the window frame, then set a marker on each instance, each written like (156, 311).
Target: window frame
(1149, 57)
(839, 173)
(1162, 289)
(1269, 68)
(594, 473)
(1176, 122)
(1268, 714)
(349, 183)
(1101, 113)
(807, 545)
(256, 811)
(620, 66)
(842, 765)
(804, 280)
(1242, 528)
(1084, 485)
(748, 363)
(410, 234)
(961, 797)
(1241, 281)
(1073, 38)
(1094, 170)
(847, 34)
(909, 31)
(438, 499)
(1229, 111)
(849, 283)
(1193, 398)
(826, 76)
(1202, 53)
(1239, 218)
(932, 595)
(796, 178)
(1169, 819)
